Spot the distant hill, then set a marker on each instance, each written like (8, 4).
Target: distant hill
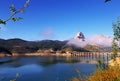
(78, 43)
(23, 46)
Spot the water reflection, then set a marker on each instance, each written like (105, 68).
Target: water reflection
(45, 68)
(55, 60)
(46, 61)
(8, 61)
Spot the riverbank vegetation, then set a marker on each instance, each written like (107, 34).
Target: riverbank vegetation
(110, 73)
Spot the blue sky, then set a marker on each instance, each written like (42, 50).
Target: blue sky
(59, 19)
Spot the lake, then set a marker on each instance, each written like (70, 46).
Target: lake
(45, 68)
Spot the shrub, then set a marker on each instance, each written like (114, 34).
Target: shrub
(75, 79)
(109, 74)
(115, 62)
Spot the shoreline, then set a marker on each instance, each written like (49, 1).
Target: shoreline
(77, 54)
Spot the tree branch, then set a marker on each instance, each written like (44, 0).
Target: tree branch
(18, 11)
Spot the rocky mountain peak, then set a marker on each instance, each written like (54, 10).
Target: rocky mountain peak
(80, 36)
(100, 40)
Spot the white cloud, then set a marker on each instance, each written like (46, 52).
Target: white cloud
(98, 40)
(48, 32)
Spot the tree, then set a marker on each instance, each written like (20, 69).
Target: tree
(116, 39)
(116, 30)
(15, 11)
(114, 49)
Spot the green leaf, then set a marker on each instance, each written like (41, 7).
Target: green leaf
(12, 8)
(2, 22)
(16, 19)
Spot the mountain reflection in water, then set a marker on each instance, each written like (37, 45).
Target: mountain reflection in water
(45, 68)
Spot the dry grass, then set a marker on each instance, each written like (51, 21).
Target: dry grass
(109, 74)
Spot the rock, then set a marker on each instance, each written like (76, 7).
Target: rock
(80, 36)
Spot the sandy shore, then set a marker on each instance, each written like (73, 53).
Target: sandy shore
(41, 54)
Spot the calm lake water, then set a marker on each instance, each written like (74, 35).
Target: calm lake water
(45, 68)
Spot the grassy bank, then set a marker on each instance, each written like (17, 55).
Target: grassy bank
(111, 73)
(108, 74)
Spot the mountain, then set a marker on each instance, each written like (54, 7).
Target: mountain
(98, 40)
(22, 46)
(78, 40)
(101, 40)
(77, 43)
(79, 36)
